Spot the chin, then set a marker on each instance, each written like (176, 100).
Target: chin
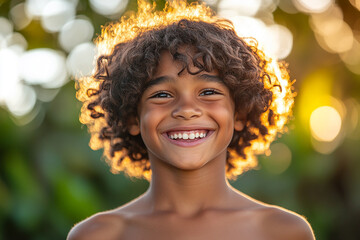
(189, 164)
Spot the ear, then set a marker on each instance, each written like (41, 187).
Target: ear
(134, 126)
(239, 122)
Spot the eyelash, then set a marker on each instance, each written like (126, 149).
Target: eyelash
(157, 95)
(213, 91)
(205, 92)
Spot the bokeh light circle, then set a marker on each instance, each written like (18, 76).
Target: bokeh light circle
(313, 6)
(275, 40)
(75, 32)
(42, 66)
(108, 7)
(81, 59)
(341, 40)
(18, 98)
(9, 61)
(20, 16)
(18, 40)
(279, 41)
(34, 8)
(239, 7)
(327, 22)
(279, 160)
(6, 27)
(248, 27)
(325, 123)
(56, 13)
(22, 101)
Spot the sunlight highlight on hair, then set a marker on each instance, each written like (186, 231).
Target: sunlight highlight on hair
(129, 27)
(147, 19)
(281, 106)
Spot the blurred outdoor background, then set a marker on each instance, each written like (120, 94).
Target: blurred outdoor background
(50, 178)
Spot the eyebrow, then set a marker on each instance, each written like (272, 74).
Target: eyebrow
(211, 78)
(162, 79)
(157, 81)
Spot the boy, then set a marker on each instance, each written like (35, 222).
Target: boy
(180, 99)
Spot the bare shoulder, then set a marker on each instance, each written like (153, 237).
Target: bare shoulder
(105, 225)
(278, 223)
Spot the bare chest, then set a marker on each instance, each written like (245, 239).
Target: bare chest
(209, 228)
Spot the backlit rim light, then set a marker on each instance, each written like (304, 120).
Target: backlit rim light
(147, 18)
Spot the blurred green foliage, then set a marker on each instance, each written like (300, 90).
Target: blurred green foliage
(50, 179)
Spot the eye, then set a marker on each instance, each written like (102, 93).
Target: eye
(161, 95)
(209, 91)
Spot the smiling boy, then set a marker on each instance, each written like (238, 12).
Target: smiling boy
(186, 121)
(185, 103)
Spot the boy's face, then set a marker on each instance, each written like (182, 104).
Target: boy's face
(186, 120)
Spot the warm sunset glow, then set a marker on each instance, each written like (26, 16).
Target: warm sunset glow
(313, 6)
(331, 31)
(352, 57)
(325, 123)
(146, 19)
(279, 160)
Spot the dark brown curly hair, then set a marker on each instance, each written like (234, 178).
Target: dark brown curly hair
(112, 94)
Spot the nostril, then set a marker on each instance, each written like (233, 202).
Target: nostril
(187, 113)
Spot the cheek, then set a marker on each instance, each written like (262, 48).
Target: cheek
(149, 121)
(224, 113)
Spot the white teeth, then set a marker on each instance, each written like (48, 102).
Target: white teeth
(185, 136)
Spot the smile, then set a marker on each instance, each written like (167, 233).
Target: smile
(188, 138)
(194, 134)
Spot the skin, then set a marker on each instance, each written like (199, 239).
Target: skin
(189, 196)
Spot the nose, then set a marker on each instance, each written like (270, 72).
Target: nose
(186, 109)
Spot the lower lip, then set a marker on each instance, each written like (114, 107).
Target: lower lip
(188, 142)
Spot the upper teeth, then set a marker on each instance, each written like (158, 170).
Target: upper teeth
(187, 135)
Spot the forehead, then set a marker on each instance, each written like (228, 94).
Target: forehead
(168, 65)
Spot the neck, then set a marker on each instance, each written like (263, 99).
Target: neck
(188, 192)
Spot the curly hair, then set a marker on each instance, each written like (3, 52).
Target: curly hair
(259, 86)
